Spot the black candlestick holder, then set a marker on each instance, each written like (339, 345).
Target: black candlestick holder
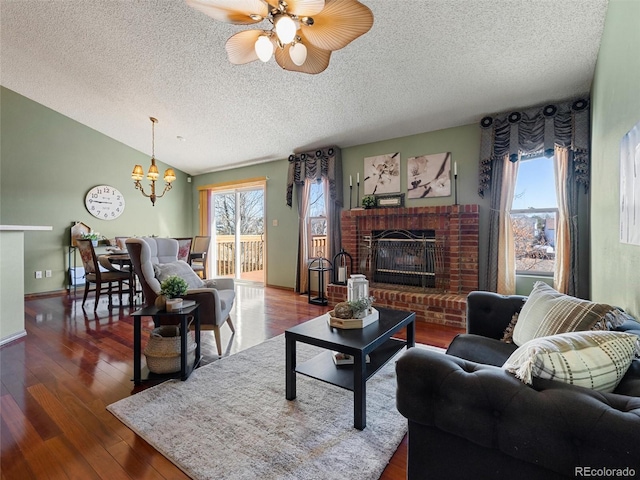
(358, 194)
(455, 188)
(350, 195)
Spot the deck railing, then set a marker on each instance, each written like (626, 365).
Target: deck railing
(252, 253)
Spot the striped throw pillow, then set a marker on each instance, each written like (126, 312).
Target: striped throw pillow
(594, 359)
(548, 312)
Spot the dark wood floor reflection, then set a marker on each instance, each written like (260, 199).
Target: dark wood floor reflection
(57, 381)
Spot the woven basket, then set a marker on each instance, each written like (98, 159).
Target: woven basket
(163, 349)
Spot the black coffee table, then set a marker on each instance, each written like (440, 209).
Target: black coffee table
(374, 340)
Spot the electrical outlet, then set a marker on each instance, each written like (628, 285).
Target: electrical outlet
(47, 273)
(38, 273)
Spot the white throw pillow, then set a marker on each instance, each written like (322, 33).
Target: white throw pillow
(180, 268)
(593, 359)
(548, 312)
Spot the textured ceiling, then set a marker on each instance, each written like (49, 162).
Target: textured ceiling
(425, 65)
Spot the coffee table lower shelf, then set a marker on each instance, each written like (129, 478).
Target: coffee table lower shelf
(322, 367)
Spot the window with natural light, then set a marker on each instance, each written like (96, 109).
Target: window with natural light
(533, 215)
(317, 220)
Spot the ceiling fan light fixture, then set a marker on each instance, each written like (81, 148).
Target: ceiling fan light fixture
(285, 28)
(320, 26)
(298, 53)
(264, 48)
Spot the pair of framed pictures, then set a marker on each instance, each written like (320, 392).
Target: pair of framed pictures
(427, 176)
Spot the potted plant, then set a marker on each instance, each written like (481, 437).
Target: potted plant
(369, 201)
(362, 307)
(171, 288)
(93, 236)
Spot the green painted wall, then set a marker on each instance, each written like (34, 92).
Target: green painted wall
(282, 240)
(48, 162)
(615, 276)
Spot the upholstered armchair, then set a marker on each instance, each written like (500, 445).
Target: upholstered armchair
(152, 258)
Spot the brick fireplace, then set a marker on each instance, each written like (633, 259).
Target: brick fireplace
(456, 229)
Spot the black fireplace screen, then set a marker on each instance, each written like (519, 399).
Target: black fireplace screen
(404, 257)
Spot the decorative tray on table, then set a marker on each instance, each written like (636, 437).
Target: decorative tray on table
(348, 323)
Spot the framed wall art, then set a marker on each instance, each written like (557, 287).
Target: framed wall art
(630, 187)
(429, 176)
(382, 174)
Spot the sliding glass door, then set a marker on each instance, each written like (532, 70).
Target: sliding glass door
(238, 234)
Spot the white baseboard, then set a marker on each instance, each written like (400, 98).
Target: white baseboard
(11, 338)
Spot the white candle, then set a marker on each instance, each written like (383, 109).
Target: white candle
(358, 177)
(350, 181)
(342, 274)
(455, 169)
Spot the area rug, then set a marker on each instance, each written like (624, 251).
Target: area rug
(230, 420)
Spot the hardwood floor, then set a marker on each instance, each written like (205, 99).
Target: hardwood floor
(57, 381)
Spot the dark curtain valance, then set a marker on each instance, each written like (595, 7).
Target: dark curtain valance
(537, 131)
(316, 164)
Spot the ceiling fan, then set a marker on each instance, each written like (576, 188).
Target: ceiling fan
(301, 33)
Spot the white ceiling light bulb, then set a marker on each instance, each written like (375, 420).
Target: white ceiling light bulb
(298, 53)
(285, 28)
(264, 48)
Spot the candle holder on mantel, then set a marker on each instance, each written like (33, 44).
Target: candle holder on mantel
(341, 269)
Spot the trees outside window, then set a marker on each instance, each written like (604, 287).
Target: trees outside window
(317, 220)
(534, 216)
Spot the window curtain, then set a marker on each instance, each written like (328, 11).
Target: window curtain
(541, 130)
(325, 163)
(302, 274)
(506, 248)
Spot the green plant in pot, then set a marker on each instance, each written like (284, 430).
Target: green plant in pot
(171, 287)
(369, 201)
(93, 236)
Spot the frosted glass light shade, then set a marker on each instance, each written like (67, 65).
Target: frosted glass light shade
(153, 173)
(138, 173)
(169, 175)
(298, 53)
(285, 28)
(264, 48)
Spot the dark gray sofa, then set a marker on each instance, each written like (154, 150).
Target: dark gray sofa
(470, 419)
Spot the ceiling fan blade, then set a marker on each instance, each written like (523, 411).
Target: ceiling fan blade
(241, 46)
(340, 23)
(305, 8)
(238, 12)
(317, 59)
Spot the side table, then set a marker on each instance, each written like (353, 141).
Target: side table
(157, 314)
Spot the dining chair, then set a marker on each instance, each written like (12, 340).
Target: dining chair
(198, 258)
(184, 248)
(101, 280)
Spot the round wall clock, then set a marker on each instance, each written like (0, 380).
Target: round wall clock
(104, 202)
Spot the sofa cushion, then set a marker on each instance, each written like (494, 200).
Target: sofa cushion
(593, 359)
(548, 312)
(181, 269)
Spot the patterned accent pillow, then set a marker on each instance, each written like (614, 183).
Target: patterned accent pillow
(594, 359)
(507, 335)
(548, 312)
(181, 269)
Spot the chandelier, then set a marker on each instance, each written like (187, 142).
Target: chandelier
(301, 35)
(152, 174)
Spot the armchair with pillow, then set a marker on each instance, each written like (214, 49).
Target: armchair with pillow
(155, 259)
(542, 387)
